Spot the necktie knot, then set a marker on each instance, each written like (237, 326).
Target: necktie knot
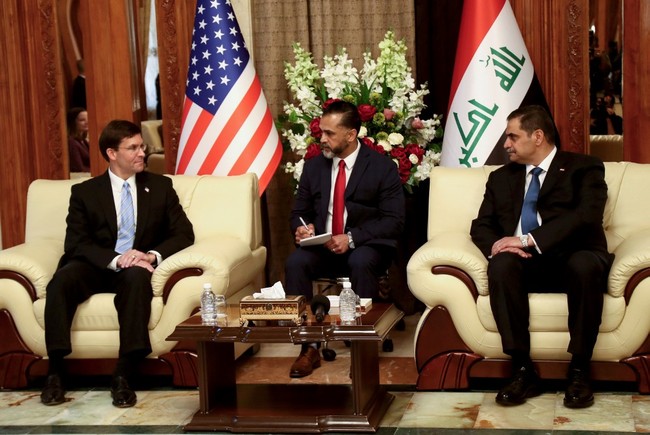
(536, 171)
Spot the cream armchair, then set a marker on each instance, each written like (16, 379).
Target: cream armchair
(457, 337)
(228, 253)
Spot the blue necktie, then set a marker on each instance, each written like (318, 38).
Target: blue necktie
(126, 230)
(529, 209)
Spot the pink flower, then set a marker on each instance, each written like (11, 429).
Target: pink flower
(388, 114)
(417, 124)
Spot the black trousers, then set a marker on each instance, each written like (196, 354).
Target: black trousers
(363, 265)
(77, 281)
(581, 275)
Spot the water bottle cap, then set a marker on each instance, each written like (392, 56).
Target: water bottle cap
(207, 285)
(347, 284)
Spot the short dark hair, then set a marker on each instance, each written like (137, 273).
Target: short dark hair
(114, 133)
(349, 114)
(535, 117)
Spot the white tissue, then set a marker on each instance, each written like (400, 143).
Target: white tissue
(276, 291)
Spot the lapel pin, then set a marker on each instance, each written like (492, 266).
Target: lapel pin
(561, 169)
(146, 189)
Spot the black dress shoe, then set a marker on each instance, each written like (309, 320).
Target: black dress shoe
(579, 393)
(523, 385)
(122, 394)
(53, 392)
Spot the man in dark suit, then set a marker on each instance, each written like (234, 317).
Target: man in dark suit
(562, 249)
(372, 216)
(120, 225)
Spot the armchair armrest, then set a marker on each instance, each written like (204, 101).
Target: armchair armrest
(215, 256)
(454, 250)
(35, 261)
(632, 260)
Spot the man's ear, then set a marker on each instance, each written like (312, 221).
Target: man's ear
(538, 135)
(110, 152)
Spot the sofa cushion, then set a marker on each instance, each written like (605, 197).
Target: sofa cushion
(549, 312)
(98, 313)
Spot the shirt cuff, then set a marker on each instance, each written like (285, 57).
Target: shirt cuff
(158, 257)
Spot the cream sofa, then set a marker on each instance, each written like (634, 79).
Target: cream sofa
(228, 252)
(457, 339)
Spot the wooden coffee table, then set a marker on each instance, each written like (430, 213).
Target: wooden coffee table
(226, 405)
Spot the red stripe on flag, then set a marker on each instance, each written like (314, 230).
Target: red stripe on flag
(265, 178)
(194, 138)
(478, 16)
(252, 149)
(230, 129)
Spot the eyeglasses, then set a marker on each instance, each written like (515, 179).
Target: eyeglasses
(135, 148)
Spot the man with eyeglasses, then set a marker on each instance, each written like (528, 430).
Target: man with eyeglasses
(120, 226)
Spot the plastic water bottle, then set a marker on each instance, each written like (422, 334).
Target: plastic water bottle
(208, 309)
(347, 304)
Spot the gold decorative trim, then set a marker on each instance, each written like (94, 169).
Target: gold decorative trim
(51, 76)
(576, 50)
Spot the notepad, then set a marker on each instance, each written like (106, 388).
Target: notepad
(316, 240)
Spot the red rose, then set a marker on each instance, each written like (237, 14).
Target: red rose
(366, 112)
(330, 101)
(404, 170)
(312, 151)
(416, 149)
(314, 128)
(398, 153)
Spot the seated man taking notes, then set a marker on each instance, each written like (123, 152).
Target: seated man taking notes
(355, 193)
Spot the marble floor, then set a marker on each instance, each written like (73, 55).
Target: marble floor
(165, 410)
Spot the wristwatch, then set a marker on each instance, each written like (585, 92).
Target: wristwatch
(350, 241)
(524, 240)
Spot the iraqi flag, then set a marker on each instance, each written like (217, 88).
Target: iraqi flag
(493, 75)
(227, 128)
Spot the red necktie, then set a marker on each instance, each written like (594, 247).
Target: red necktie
(339, 200)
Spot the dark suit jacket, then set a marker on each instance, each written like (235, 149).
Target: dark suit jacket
(374, 198)
(571, 203)
(91, 231)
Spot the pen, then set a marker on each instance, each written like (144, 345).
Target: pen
(304, 224)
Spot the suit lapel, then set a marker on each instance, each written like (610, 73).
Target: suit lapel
(144, 200)
(326, 183)
(107, 202)
(517, 188)
(360, 166)
(555, 171)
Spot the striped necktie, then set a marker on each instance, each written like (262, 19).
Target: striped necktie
(126, 230)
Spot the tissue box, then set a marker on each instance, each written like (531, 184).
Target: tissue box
(292, 308)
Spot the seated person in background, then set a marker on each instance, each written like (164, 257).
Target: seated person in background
(120, 225)
(604, 119)
(547, 239)
(365, 221)
(78, 147)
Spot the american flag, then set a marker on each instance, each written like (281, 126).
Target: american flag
(227, 128)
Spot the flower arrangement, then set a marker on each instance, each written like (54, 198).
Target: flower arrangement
(388, 102)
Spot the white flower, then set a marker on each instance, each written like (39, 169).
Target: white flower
(385, 84)
(395, 139)
(363, 132)
(386, 145)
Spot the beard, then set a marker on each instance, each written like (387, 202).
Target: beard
(327, 153)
